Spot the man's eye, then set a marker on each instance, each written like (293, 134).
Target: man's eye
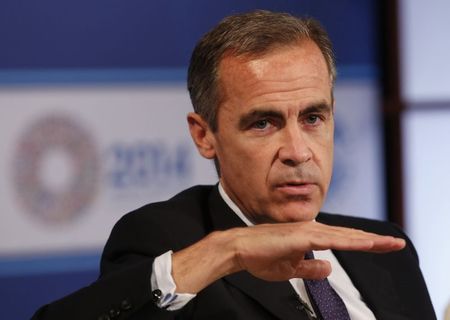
(261, 124)
(312, 119)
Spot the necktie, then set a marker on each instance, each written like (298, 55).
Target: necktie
(326, 301)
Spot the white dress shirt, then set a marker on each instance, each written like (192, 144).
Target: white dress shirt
(162, 279)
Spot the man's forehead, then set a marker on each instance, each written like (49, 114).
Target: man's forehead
(290, 61)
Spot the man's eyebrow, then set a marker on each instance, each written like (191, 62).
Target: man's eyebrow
(248, 118)
(317, 108)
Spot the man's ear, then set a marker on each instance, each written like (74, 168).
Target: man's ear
(202, 135)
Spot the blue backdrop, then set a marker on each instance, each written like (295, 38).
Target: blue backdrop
(99, 41)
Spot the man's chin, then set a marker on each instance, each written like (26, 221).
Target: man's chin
(296, 212)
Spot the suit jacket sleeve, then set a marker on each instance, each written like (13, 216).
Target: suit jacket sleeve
(123, 289)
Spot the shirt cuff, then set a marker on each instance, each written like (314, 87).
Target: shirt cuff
(162, 280)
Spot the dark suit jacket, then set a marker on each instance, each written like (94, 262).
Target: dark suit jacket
(391, 284)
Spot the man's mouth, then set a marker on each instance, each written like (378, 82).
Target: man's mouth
(296, 188)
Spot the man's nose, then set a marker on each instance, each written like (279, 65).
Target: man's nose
(294, 148)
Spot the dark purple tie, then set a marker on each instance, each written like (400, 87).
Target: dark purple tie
(325, 300)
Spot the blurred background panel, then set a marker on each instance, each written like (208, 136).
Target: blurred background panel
(93, 105)
(425, 94)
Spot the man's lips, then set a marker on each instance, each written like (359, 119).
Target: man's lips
(296, 188)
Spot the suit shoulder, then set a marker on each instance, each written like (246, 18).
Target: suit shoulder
(190, 202)
(158, 227)
(366, 224)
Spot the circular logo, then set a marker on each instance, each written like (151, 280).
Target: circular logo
(56, 168)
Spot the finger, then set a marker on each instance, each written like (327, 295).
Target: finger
(380, 243)
(388, 244)
(368, 243)
(341, 238)
(314, 269)
(340, 243)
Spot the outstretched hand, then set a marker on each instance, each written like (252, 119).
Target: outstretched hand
(272, 252)
(275, 252)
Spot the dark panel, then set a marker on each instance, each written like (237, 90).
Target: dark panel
(391, 111)
(21, 296)
(142, 33)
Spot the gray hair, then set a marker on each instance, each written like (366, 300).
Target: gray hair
(255, 34)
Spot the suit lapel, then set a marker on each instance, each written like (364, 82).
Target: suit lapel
(371, 279)
(373, 282)
(278, 298)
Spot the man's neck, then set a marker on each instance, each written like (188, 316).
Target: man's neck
(233, 206)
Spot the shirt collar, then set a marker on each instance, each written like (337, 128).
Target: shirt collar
(233, 206)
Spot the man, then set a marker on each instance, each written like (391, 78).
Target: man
(261, 84)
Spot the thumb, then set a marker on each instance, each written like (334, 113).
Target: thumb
(314, 269)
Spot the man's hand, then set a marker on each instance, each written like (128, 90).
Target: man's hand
(273, 252)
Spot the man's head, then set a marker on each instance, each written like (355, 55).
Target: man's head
(251, 34)
(261, 85)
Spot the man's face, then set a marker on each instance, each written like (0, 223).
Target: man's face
(274, 141)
